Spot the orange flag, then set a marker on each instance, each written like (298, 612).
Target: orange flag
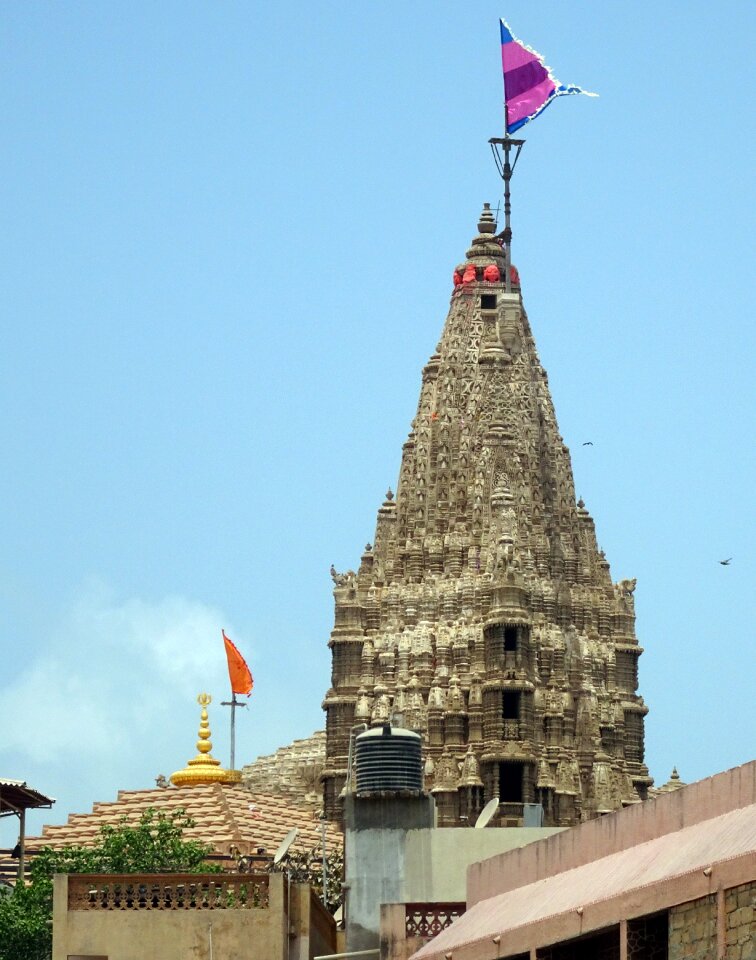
(238, 671)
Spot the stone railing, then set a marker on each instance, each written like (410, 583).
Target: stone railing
(176, 891)
(426, 920)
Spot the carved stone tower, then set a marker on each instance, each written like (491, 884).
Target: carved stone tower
(484, 616)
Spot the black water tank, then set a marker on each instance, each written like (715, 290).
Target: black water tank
(389, 760)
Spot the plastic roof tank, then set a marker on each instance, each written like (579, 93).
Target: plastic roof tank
(389, 760)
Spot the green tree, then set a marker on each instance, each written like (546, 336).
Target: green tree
(153, 844)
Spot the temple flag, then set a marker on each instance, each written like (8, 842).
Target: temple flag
(529, 85)
(238, 671)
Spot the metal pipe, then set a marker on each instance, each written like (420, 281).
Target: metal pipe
(507, 217)
(346, 956)
(21, 844)
(325, 860)
(233, 730)
(357, 726)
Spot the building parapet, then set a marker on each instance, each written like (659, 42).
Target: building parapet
(176, 891)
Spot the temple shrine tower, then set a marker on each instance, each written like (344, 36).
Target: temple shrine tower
(484, 616)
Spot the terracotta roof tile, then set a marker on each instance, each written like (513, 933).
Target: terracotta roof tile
(225, 816)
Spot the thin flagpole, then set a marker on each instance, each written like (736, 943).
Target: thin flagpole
(506, 168)
(507, 201)
(235, 705)
(233, 730)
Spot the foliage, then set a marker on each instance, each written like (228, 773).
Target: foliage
(25, 931)
(153, 844)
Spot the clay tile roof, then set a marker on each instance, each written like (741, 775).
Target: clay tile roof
(227, 817)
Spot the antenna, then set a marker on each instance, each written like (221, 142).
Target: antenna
(287, 841)
(487, 814)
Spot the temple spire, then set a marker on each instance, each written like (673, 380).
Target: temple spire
(485, 612)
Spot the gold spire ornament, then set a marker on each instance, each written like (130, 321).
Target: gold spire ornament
(204, 768)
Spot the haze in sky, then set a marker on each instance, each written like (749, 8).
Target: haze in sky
(228, 238)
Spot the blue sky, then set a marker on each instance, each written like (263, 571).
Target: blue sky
(228, 237)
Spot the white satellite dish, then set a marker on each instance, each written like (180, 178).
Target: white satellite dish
(339, 915)
(283, 848)
(487, 813)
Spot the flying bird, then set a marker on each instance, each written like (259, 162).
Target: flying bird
(588, 443)
(726, 563)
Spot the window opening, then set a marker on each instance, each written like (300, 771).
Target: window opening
(510, 705)
(510, 782)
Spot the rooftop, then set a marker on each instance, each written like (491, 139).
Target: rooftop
(229, 818)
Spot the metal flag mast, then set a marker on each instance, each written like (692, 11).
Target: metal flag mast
(233, 703)
(501, 147)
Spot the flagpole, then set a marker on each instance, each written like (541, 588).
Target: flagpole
(501, 148)
(233, 731)
(234, 704)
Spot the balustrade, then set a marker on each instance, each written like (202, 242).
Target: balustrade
(426, 920)
(176, 891)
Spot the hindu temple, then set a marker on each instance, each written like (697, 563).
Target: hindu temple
(484, 616)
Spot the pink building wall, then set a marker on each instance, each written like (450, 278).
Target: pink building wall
(665, 814)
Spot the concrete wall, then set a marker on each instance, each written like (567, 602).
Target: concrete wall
(395, 944)
(374, 858)
(392, 854)
(169, 935)
(312, 929)
(436, 861)
(617, 831)
(185, 934)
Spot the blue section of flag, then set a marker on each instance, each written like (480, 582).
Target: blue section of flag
(506, 36)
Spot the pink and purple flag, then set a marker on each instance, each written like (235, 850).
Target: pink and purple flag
(529, 85)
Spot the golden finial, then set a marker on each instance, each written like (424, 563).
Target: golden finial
(204, 745)
(203, 768)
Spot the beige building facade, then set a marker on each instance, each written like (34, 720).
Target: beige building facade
(188, 917)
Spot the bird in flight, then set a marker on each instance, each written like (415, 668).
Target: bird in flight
(588, 443)
(726, 563)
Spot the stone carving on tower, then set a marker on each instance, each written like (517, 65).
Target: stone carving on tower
(484, 616)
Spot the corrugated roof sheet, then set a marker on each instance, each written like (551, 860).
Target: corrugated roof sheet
(664, 858)
(16, 794)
